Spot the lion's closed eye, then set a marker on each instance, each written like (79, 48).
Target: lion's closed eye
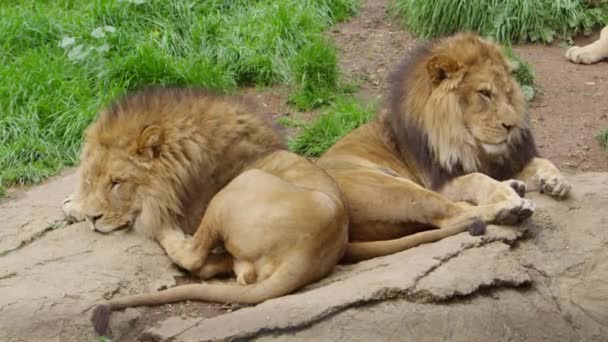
(486, 93)
(114, 183)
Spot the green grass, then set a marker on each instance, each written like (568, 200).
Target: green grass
(524, 73)
(291, 122)
(61, 60)
(505, 20)
(341, 117)
(603, 137)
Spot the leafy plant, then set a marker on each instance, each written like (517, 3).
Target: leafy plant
(336, 121)
(505, 20)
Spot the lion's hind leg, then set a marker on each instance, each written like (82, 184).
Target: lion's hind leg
(401, 200)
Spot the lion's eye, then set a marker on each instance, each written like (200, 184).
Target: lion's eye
(114, 183)
(485, 93)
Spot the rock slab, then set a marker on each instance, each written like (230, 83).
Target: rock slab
(544, 281)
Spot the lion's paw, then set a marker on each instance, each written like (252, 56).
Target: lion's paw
(554, 185)
(518, 186)
(185, 255)
(515, 212)
(71, 209)
(584, 55)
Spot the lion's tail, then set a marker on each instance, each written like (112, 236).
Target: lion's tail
(284, 281)
(357, 251)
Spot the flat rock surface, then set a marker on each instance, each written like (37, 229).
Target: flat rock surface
(544, 281)
(51, 272)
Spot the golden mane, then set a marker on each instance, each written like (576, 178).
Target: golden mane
(207, 140)
(421, 123)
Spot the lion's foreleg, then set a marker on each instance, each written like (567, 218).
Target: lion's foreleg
(403, 201)
(541, 175)
(496, 202)
(479, 189)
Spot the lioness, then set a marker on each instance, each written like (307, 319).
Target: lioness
(456, 132)
(161, 159)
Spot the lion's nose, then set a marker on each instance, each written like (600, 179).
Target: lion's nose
(94, 218)
(507, 127)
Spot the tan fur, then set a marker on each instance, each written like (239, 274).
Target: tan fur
(165, 161)
(590, 53)
(456, 119)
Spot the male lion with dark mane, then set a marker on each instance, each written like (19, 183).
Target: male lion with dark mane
(453, 151)
(166, 161)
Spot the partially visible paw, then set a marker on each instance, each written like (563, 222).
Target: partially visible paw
(71, 209)
(518, 186)
(185, 255)
(585, 55)
(515, 212)
(554, 185)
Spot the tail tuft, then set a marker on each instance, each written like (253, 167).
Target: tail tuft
(477, 228)
(101, 318)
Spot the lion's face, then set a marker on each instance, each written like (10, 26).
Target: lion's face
(492, 107)
(471, 103)
(112, 186)
(107, 195)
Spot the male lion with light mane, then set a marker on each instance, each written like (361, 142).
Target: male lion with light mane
(453, 151)
(162, 159)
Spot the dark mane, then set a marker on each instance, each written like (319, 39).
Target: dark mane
(410, 140)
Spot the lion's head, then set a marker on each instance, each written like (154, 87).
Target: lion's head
(156, 157)
(115, 173)
(456, 108)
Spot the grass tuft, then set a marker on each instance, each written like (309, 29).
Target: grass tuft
(506, 21)
(336, 121)
(316, 75)
(61, 60)
(603, 137)
(524, 73)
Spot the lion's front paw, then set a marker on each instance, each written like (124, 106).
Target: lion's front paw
(518, 186)
(515, 211)
(584, 55)
(186, 255)
(71, 209)
(554, 185)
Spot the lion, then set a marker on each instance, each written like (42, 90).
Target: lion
(591, 53)
(452, 150)
(174, 161)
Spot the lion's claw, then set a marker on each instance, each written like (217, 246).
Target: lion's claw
(556, 186)
(516, 213)
(518, 186)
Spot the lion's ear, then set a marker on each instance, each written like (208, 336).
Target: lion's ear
(149, 141)
(441, 67)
